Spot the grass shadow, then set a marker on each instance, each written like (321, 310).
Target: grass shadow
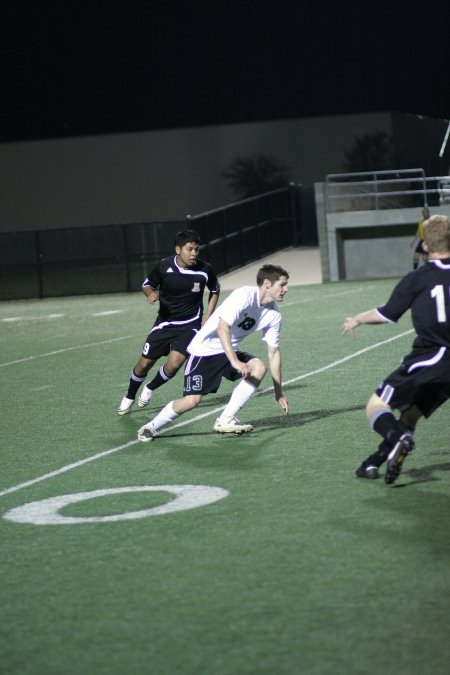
(299, 419)
(423, 475)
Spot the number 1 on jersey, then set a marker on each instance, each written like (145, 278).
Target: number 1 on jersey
(438, 294)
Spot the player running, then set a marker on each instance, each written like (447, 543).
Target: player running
(215, 353)
(178, 282)
(422, 383)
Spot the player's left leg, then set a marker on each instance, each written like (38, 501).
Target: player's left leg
(165, 373)
(429, 398)
(227, 421)
(168, 414)
(202, 376)
(137, 377)
(416, 392)
(369, 467)
(397, 439)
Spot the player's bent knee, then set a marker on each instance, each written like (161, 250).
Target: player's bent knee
(374, 404)
(174, 362)
(257, 369)
(171, 370)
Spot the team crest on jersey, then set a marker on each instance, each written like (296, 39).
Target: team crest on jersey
(196, 287)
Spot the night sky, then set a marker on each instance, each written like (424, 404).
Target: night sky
(71, 68)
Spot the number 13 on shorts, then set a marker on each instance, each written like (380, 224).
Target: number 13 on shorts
(193, 383)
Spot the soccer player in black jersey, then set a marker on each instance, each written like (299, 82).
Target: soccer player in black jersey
(422, 382)
(178, 282)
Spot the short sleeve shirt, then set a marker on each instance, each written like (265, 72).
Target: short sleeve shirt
(245, 315)
(426, 291)
(181, 290)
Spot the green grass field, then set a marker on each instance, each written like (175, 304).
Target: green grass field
(297, 567)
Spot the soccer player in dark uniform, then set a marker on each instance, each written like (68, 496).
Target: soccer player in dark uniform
(178, 282)
(422, 382)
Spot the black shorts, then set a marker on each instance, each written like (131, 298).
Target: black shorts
(161, 341)
(423, 380)
(203, 374)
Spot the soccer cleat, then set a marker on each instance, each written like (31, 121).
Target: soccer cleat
(367, 471)
(231, 426)
(397, 456)
(145, 397)
(146, 433)
(125, 406)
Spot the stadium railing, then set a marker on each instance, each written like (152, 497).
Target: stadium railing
(375, 190)
(116, 258)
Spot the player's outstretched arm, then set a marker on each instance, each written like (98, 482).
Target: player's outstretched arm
(274, 355)
(372, 316)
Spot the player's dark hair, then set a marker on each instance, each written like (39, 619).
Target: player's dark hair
(185, 236)
(270, 272)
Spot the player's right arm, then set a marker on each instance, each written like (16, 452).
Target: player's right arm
(372, 316)
(274, 355)
(223, 331)
(152, 294)
(151, 284)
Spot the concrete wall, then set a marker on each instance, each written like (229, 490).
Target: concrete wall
(366, 244)
(165, 175)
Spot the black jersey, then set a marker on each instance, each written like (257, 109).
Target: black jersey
(181, 290)
(426, 291)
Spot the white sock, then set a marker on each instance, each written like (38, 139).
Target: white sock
(166, 415)
(241, 394)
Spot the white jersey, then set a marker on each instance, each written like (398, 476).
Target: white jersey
(243, 313)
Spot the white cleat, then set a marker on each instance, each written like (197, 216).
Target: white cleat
(232, 426)
(125, 406)
(146, 433)
(145, 397)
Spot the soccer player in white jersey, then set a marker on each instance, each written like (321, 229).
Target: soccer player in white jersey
(178, 283)
(215, 353)
(422, 382)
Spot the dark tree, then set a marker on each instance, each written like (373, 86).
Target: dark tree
(371, 152)
(250, 176)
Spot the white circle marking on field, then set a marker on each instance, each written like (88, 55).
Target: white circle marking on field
(46, 511)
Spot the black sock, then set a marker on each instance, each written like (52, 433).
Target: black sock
(387, 426)
(159, 379)
(135, 383)
(405, 428)
(379, 456)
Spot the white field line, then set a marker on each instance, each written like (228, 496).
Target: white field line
(109, 312)
(105, 453)
(15, 319)
(125, 337)
(66, 349)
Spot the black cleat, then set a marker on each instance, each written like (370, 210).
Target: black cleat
(367, 471)
(397, 456)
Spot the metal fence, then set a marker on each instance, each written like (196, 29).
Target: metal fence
(252, 228)
(116, 258)
(375, 190)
